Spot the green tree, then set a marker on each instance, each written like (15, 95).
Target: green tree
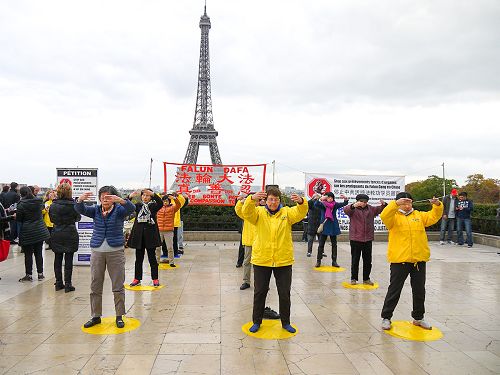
(431, 187)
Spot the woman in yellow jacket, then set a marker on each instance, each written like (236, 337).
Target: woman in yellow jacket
(407, 252)
(49, 197)
(272, 250)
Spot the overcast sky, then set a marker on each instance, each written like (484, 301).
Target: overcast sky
(348, 86)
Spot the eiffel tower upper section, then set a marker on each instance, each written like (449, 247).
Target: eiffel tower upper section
(203, 132)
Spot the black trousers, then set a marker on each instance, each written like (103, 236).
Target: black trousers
(176, 244)
(304, 232)
(68, 267)
(153, 263)
(241, 252)
(321, 247)
(359, 249)
(399, 273)
(310, 241)
(29, 251)
(261, 278)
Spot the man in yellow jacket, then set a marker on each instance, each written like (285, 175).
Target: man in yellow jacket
(407, 252)
(272, 250)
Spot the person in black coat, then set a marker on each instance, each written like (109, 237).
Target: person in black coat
(313, 217)
(33, 232)
(145, 235)
(64, 237)
(10, 200)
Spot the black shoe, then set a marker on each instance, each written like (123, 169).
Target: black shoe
(238, 265)
(244, 286)
(59, 285)
(335, 264)
(172, 265)
(26, 278)
(308, 254)
(13, 242)
(40, 276)
(119, 322)
(181, 251)
(318, 264)
(270, 314)
(69, 288)
(92, 322)
(324, 255)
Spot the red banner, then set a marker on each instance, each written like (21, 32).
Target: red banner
(214, 185)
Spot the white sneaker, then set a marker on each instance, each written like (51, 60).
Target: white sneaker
(441, 242)
(451, 243)
(422, 324)
(386, 324)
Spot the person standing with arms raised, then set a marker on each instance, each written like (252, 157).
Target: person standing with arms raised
(107, 246)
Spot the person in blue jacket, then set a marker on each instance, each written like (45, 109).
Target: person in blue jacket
(464, 209)
(330, 223)
(107, 249)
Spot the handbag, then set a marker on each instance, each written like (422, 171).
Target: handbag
(320, 228)
(4, 249)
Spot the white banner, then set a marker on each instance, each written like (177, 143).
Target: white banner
(376, 187)
(81, 181)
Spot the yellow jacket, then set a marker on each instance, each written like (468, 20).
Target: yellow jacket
(45, 213)
(177, 218)
(248, 233)
(273, 246)
(407, 237)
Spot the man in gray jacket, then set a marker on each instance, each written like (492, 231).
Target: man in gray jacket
(450, 203)
(361, 235)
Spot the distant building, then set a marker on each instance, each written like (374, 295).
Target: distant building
(289, 190)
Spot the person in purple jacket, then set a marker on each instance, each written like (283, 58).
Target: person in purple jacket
(361, 234)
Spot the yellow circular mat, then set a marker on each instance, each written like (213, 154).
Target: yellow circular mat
(108, 326)
(406, 330)
(329, 269)
(269, 330)
(166, 266)
(143, 287)
(347, 285)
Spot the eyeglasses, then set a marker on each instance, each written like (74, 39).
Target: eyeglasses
(273, 199)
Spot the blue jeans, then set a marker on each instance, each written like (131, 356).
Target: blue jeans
(468, 230)
(450, 223)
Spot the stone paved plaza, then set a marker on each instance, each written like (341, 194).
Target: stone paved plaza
(193, 325)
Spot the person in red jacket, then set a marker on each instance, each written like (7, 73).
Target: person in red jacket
(361, 234)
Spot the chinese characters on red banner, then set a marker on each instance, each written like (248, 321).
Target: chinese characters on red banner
(216, 185)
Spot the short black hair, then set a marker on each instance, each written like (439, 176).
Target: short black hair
(403, 194)
(463, 194)
(5, 188)
(13, 185)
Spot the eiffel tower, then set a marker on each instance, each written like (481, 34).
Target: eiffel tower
(203, 132)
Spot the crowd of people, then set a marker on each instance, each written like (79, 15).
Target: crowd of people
(266, 239)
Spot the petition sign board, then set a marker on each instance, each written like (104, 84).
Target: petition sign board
(81, 180)
(376, 187)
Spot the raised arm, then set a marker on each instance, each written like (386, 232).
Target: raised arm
(389, 213)
(82, 208)
(249, 211)
(297, 213)
(433, 216)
